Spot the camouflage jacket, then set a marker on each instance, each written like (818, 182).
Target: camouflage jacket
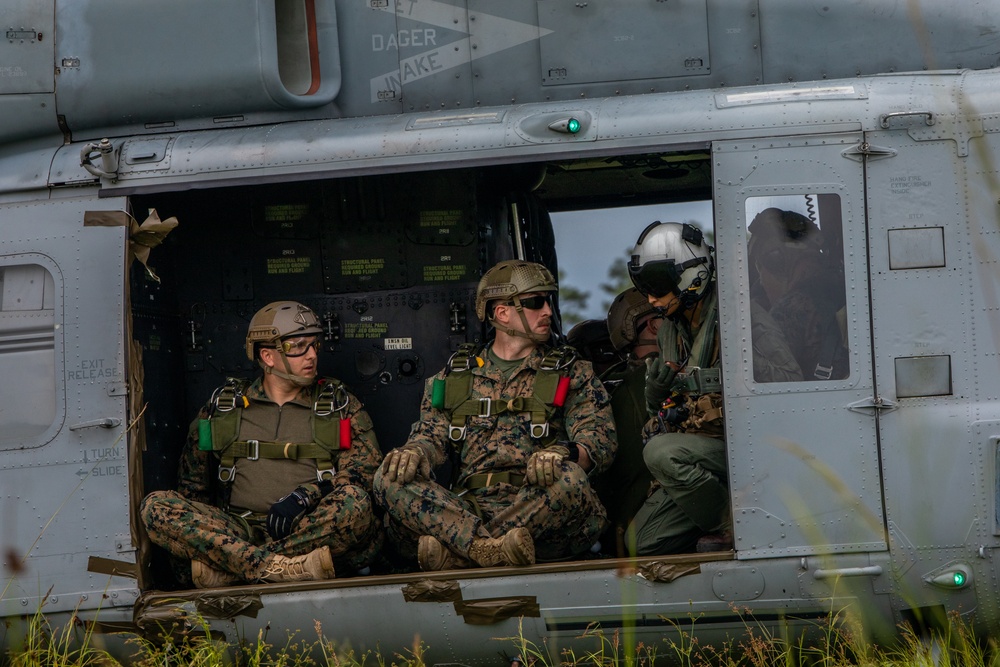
(197, 478)
(503, 442)
(772, 359)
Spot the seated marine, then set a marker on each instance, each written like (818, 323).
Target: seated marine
(526, 424)
(275, 477)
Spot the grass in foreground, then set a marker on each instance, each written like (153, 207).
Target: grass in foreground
(838, 645)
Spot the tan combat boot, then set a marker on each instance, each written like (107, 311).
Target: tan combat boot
(313, 566)
(434, 556)
(208, 576)
(514, 548)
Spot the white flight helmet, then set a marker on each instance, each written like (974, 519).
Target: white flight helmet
(672, 258)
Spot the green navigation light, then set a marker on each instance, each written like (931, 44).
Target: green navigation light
(952, 577)
(567, 125)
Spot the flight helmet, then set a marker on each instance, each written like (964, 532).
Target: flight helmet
(672, 258)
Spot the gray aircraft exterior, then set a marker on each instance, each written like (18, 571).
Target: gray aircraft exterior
(371, 158)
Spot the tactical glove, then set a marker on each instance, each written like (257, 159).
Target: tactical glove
(403, 464)
(284, 513)
(659, 379)
(543, 465)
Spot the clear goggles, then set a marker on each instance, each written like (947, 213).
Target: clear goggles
(296, 347)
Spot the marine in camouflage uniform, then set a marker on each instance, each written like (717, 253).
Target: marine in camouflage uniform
(685, 449)
(632, 324)
(515, 495)
(276, 520)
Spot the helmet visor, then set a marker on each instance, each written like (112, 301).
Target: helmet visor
(657, 278)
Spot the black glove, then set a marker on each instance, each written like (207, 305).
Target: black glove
(284, 513)
(659, 379)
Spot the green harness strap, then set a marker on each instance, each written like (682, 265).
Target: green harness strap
(453, 395)
(702, 378)
(220, 431)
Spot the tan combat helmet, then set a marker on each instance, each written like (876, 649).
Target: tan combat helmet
(626, 311)
(507, 281)
(275, 322)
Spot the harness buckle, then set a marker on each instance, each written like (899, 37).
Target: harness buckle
(456, 433)
(488, 403)
(327, 399)
(224, 398)
(460, 360)
(227, 474)
(540, 430)
(823, 372)
(253, 450)
(517, 404)
(558, 359)
(331, 471)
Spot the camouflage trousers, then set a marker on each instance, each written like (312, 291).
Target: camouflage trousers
(692, 498)
(564, 519)
(343, 521)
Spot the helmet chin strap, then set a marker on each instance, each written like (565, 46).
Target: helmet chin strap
(527, 333)
(297, 380)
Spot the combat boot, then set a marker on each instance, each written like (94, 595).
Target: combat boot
(313, 566)
(434, 556)
(514, 548)
(208, 576)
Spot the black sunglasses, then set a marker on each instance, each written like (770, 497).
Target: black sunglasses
(536, 302)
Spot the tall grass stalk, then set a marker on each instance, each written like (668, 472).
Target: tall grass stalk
(837, 641)
(67, 646)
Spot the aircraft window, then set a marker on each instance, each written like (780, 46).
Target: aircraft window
(27, 351)
(594, 246)
(797, 288)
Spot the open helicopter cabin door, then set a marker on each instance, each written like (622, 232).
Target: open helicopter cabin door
(63, 465)
(796, 347)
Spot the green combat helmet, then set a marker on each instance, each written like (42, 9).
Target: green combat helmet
(626, 311)
(507, 281)
(276, 322)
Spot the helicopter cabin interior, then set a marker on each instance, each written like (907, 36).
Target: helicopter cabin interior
(389, 262)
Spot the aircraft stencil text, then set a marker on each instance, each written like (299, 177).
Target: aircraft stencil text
(420, 66)
(404, 38)
(90, 369)
(900, 185)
